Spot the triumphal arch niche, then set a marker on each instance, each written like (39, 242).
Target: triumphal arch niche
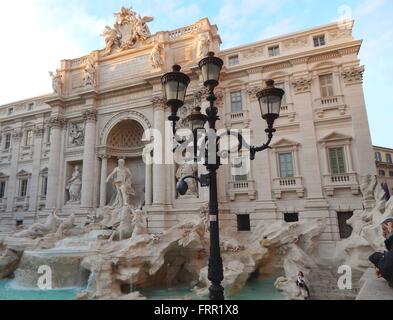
(123, 141)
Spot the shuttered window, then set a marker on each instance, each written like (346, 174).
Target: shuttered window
(337, 160)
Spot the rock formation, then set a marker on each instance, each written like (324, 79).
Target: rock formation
(367, 235)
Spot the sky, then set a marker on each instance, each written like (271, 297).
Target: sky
(36, 34)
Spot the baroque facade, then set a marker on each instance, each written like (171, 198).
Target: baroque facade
(57, 150)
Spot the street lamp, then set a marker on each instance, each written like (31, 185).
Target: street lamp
(175, 86)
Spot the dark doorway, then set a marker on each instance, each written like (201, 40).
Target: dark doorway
(345, 229)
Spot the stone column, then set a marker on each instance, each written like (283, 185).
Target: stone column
(104, 174)
(57, 123)
(35, 178)
(13, 183)
(89, 159)
(158, 168)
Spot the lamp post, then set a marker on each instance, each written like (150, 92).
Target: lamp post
(175, 86)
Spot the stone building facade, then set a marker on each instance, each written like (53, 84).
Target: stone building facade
(103, 104)
(384, 162)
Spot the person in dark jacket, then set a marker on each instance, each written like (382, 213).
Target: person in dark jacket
(383, 263)
(387, 227)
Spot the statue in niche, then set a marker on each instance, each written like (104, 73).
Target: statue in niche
(90, 77)
(57, 81)
(155, 57)
(203, 45)
(76, 136)
(122, 181)
(74, 186)
(186, 170)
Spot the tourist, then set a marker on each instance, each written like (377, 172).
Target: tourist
(383, 263)
(387, 227)
(301, 283)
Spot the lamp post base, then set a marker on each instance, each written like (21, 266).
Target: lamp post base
(216, 292)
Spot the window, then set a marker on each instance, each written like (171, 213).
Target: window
(286, 165)
(344, 228)
(240, 169)
(2, 189)
(233, 60)
(7, 141)
(30, 106)
(326, 82)
(291, 217)
(390, 173)
(44, 186)
(284, 98)
(337, 161)
(236, 102)
(48, 132)
(319, 41)
(10, 111)
(382, 173)
(378, 156)
(388, 158)
(243, 222)
(29, 138)
(274, 51)
(23, 188)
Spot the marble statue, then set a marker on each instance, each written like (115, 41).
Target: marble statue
(66, 226)
(129, 28)
(155, 57)
(139, 223)
(203, 45)
(57, 81)
(185, 170)
(111, 39)
(76, 135)
(39, 230)
(74, 186)
(90, 77)
(125, 228)
(122, 181)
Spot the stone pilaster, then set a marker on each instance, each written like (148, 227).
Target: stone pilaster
(57, 124)
(35, 178)
(90, 117)
(104, 174)
(17, 135)
(159, 173)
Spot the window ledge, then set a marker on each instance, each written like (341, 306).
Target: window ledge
(290, 184)
(341, 181)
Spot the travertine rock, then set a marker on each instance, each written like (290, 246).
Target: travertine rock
(289, 288)
(367, 234)
(9, 260)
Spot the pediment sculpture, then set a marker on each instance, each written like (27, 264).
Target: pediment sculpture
(128, 30)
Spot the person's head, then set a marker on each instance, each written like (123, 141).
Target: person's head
(376, 258)
(300, 274)
(387, 226)
(121, 163)
(76, 168)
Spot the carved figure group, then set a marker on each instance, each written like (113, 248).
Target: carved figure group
(57, 81)
(129, 28)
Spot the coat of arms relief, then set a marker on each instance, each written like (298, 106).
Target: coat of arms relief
(128, 30)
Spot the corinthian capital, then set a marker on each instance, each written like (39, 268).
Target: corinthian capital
(57, 122)
(158, 102)
(17, 134)
(302, 85)
(353, 75)
(90, 115)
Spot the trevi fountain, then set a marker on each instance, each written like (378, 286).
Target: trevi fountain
(114, 257)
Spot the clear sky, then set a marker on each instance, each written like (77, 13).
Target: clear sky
(36, 34)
